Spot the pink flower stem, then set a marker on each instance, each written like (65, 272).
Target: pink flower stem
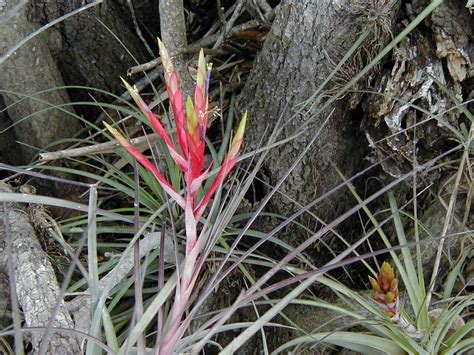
(180, 305)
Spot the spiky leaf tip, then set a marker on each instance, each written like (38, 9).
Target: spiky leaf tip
(238, 137)
(117, 135)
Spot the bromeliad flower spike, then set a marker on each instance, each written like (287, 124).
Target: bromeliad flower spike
(385, 289)
(386, 295)
(191, 121)
(191, 132)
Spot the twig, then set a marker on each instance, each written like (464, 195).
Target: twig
(210, 38)
(140, 84)
(143, 82)
(230, 23)
(194, 47)
(208, 41)
(150, 242)
(221, 14)
(80, 305)
(215, 25)
(188, 50)
(254, 10)
(144, 67)
(106, 147)
(263, 4)
(137, 29)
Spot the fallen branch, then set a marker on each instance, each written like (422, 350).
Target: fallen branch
(216, 24)
(144, 67)
(192, 48)
(106, 147)
(150, 242)
(34, 279)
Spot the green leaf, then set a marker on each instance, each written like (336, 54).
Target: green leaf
(363, 343)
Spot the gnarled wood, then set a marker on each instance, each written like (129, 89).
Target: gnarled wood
(36, 286)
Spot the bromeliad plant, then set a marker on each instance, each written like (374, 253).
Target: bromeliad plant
(191, 122)
(385, 289)
(386, 296)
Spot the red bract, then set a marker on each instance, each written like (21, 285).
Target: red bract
(191, 132)
(191, 124)
(385, 289)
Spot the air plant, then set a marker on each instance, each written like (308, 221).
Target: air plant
(386, 295)
(385, 289)
(191, 123)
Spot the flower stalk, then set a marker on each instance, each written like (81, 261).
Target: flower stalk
(191, 120)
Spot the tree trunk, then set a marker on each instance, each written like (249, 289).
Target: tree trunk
(79, 49)
(306, 39)
(91, 47)
(27, 71)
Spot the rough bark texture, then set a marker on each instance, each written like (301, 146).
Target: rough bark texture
(27, 71)
(7, 139)
(443, 50)
(306, 37)
(173, 35)
(5, 307)
(36, 285)
(79, 50)
(86, 50)
(172, 24)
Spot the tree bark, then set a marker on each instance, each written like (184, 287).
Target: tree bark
(443, 49)
(79, 49)
(173, 35)
(305, 38)
(27, 71)
(91, 47)
(35, 282)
